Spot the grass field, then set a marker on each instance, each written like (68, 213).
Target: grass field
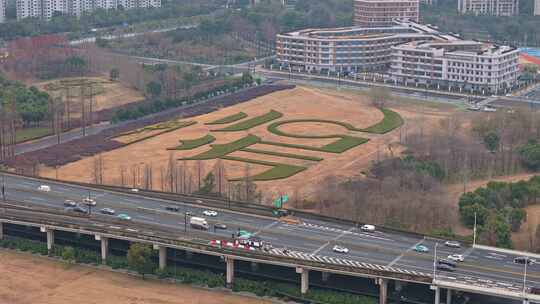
(27, 134)
(324, 132)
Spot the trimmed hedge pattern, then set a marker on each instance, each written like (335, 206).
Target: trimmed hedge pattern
(391, 121)
(278, 171)
(339, 146)
(253, 122)
(189, 144)
(274, 128)
(282, 154)
(166, 127)
(218, 151)
(228, 119)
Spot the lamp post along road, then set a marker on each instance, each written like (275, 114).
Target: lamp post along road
(474, 231)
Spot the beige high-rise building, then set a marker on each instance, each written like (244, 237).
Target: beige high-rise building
(489, 7)
(537, 7)
(374, 13)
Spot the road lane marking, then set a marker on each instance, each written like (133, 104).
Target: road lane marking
(266, 227)
(333, 240)
(406, 251)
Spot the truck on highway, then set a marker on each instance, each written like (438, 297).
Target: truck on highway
(198, 223)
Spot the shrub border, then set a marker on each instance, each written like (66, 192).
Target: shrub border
(221, 150)
(188, 144)
(282, 154)
(228, 119)
(185, 125)
(252, 122)
(273, 173)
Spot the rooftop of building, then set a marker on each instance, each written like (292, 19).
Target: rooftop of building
(357, 32)
(464, 47)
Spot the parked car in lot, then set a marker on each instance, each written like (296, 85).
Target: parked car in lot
(340, 249)
(124, 217)
(89, 201)
(368, 228)
(456, 257)
(210, 213)
(220, 226)
(70, 203)
(522, 260)
(447, 262)
(452, 244)
(44, 188)
(445, 267)
(108, 211)
(421, 248)
(172, 208)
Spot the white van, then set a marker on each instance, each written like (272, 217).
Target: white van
(368, 228)
(44, 188)
(198, 223)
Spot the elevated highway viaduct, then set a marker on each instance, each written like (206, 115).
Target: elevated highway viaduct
(305, 246)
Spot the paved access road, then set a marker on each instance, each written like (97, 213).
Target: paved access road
(310, 237)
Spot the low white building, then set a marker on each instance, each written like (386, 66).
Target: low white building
(470, 65)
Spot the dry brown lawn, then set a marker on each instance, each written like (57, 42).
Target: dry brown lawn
(114, 94)
(299, 103)
(30, 279)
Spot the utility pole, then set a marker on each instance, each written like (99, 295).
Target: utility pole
(474, 231)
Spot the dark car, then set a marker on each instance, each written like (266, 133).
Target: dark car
(445, 267)
(220, 226)
(79, 209)
(521, 260)
(172, 208)
(447, 262)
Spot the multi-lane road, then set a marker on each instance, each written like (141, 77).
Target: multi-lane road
(309, 237)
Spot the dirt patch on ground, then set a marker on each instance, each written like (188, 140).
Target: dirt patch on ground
(107, 94)
(29, 279)
(300, 103)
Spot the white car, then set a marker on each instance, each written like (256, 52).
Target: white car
(134, 190)
(452, 244)
(210, 213)
(89, 201)
(44, 188)
(368, 228)
(340, 249)
(456, 257)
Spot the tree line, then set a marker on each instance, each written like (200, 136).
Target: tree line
(519, 30)
(102, 18)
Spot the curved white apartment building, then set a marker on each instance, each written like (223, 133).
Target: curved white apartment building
(362, 49)
(347, 49)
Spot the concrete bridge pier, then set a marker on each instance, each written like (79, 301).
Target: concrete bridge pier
(304, 279)
(437, 294)
(383, 290)
(50, 237)
(254, 266)
(230, 271)
(104, 247)
(449, 296)
(1, 231)
(325, 276)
